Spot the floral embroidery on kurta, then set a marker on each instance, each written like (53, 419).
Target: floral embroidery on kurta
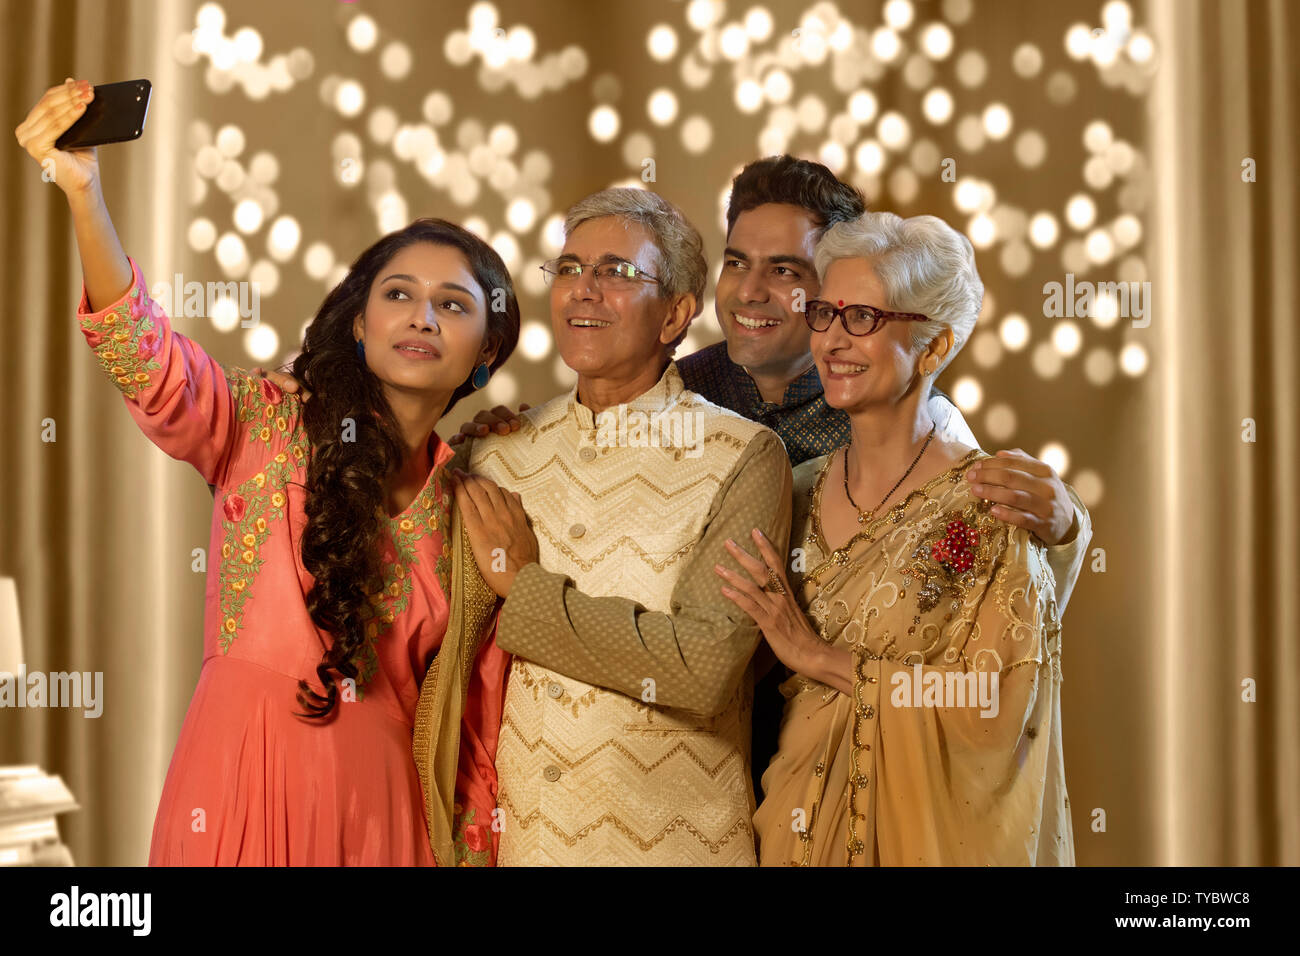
(126, 342)
(472, 841)
(252, 508)
(249, 512)
(266, 408)
(427, 514)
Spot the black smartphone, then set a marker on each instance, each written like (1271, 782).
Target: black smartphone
(115, 115)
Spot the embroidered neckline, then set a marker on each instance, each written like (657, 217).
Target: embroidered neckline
(428, 513)
(839, 556)
(422, 502)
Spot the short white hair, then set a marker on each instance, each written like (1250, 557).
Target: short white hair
(679, 247)
(925, 266)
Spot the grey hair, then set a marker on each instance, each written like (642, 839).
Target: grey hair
(925, 266)
(680, 263)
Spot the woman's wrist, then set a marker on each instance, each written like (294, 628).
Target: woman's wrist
(86, 201)
(832, 666)
(105, 268)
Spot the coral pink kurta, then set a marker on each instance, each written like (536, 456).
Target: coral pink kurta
(250, 782)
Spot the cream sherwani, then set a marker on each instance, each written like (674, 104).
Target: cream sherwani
(625, 738)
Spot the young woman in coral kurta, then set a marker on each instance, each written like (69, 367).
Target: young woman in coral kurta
(250, 782)
(253, 780)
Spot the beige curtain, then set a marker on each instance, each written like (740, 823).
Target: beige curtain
(91, 522)
(1225, 772)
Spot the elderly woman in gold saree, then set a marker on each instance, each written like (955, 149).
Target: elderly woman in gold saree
(922, 723)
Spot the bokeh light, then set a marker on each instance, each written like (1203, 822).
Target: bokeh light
(713, 76)
(1014, 331)
(1133, 359)
(1067, 339)
(603, 124)
(967, 393)
(1054, 454)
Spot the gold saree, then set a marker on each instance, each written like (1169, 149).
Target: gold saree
(950, 751)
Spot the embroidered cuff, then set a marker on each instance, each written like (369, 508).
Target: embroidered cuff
(126, 337)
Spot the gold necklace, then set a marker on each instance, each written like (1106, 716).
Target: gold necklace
(866, 516)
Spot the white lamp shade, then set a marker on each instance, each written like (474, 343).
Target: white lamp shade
(11, 636)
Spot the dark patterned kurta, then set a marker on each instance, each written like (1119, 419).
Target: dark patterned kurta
(808, 426)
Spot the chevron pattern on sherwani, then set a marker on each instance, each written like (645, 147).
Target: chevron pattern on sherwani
(590, 776)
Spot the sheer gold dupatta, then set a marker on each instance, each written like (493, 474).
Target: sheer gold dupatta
(438, 714)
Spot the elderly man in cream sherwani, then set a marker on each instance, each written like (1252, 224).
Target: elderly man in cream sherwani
(625, 737)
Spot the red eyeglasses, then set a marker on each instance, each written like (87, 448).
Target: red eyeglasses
(857, 319)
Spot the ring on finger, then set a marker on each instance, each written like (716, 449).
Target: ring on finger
(773, 584)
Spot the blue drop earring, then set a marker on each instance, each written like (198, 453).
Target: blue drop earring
(361, 352)
(481, 375)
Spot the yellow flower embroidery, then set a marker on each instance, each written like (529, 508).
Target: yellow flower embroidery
(260, 509)
(126, 344)
(398, 585)
(259, 501)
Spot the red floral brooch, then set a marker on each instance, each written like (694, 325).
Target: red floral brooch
(945, 567)
(956, 551)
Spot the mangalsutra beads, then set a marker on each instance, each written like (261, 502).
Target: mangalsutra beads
(897, 512)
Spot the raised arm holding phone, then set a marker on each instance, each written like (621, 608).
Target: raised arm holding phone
(338, 572)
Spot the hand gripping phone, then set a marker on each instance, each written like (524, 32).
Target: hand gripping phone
(115, 115)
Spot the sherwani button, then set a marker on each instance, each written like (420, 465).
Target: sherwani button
(555, 691)
(586, 453)
(551, 773)
(577, 530)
